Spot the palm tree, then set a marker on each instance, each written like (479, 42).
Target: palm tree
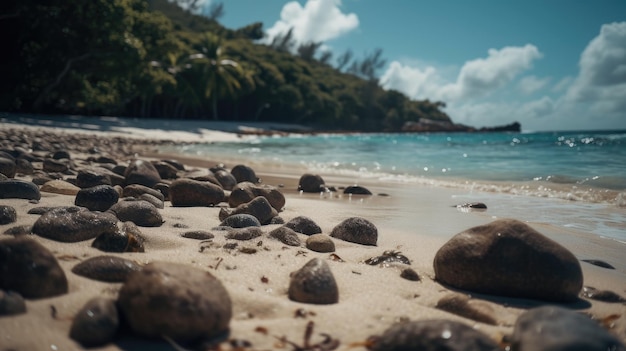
(223, 77)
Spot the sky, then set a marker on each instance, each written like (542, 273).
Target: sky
(548, 64)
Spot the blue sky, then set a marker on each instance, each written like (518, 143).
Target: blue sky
(549, 64)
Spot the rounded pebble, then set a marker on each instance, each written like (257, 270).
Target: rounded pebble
(356, 230)
(314, 283)
(11, 303)
(97, 198)
(320, 243)
(96, 323)
(72, 224)
(7, 214)
(111, 269)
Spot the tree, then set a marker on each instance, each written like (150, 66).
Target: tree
(215, 11)
(344, 59)
(308, 50)
(284, 42)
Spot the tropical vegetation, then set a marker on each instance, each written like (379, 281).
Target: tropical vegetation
(161, 59)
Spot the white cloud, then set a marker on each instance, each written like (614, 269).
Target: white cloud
(602, 78)
(532, 84)
(317, 20)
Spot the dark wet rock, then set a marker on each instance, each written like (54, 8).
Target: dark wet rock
(433, 335)
(189, 192)
(164, 189)
(204, 176)
(24, 166)
(241, 221)
(311, 183)
(30, 269)
(601, 295)
(552, 328)
(128, 238)
(8, 167)
(19, 189)
(11, 303)
(192, 303)
(472, 206)
(246, 191)
(599, 263)
(7, 214)
(59, 186)
(41, 179)
(389, 256)
(247, 233)
(3, 177)
(142, 172)
(136, 190)
(258, 207)
(225, 178)
(97, 198)
(19, 230)
(286, 236)
(96, 323)
(410, 274)
(166, 170)
(87, 178)
(111, 269)
(153, 200)
(60, 155)
(72, 224)
(198, 235)
(56, 165)
(356, 230)
(462, 305)
(39, 210)
(509, 258)
(243, 173)
(314, 283)
(277, 220)
(356, 190)
(140, 212)
(320, 243)
(175, 163)
(304, 225)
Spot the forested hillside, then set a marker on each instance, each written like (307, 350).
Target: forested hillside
(151, 58)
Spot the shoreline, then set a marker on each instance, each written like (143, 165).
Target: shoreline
(416, 222)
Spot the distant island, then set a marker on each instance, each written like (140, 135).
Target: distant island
(427, 125)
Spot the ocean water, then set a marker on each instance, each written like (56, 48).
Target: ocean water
(581, 175)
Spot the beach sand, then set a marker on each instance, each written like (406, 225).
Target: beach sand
(415, 221)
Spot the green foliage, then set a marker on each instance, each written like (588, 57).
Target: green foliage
(153, 58)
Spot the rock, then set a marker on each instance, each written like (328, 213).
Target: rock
(599, 263)
(142, 172)
(433, 335)
(356, 190)
(286, 236)
(11, 303)
(97, 198)
(72, 224)
(59, 186)
(24, 166)
(247, 233)
(153, 200)
(552, 328)
(178, 301)
(509, 258)
(51, 165)
(314, 283)
(96, 323)
(198, 235)
(136, 190)
(166, 170)
(241, 221)
(8, 167)
(244, 173)
(176, 164)
(311, 183)
(304, 225)
(462, 305)
(472, 206)
(602, 295)
(140, 212)
(60, 155)
(39, 210)
(246, 191)
(188, 192)
(7, 214)
(111, 269)
(320, 243)
(258, 207)
(19, 189)
(225, 178)
(410, 274)
(126, 239)
(19, 230)
(30, 269)
(87, 178)
(356, 230)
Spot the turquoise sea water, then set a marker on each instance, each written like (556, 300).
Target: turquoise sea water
(569, 179)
